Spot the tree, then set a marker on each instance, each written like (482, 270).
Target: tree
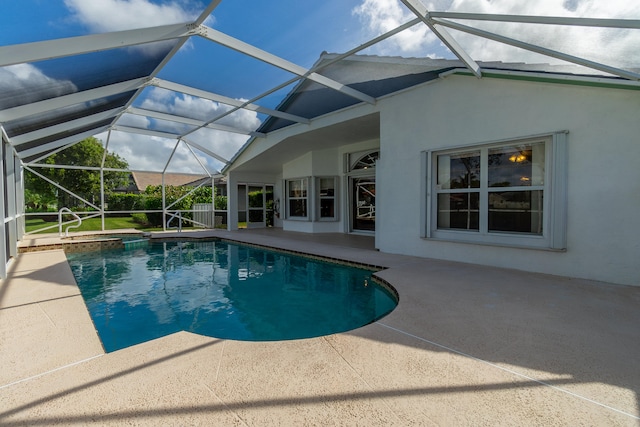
(85, 183)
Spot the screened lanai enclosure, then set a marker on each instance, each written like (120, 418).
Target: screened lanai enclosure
(96, 95)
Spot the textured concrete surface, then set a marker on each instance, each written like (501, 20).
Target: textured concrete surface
(467, 345)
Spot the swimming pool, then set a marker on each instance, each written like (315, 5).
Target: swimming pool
(222, 290)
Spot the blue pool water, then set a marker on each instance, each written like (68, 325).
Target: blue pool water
(222, 290)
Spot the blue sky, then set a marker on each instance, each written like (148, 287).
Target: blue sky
(294, 30)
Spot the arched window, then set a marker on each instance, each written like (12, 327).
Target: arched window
(365, 161)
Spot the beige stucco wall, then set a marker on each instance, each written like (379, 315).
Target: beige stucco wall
(603, 233)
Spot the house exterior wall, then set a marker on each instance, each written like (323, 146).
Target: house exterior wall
(603, 169)
(323, 163)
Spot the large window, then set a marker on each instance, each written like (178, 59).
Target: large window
(297, 199)
(499, 193)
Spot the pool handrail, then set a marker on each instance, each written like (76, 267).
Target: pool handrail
(172, 216)
(68, 211)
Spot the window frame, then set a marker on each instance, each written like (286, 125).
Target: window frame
(288, 198)
(554, 206)
(320, 197)
(356, 161)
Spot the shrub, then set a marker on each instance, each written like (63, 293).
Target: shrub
(141, 218)
(153, 201)
(220, 203)
(125, 201)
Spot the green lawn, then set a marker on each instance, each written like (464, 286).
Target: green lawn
(91, 224)
(95, 224)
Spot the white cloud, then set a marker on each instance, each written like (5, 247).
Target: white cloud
(225, 144)
(21, 79)
(152, 153)
(117, 15)
(381, 16)
(158, 99)
(141, 152)
(611, 46)
(222, 143)
(134, 120)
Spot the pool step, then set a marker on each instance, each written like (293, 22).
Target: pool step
(135, 244)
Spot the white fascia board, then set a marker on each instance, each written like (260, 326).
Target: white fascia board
(586, 80)
(72, 124)
(189, 121)
(49, 49)
(206, 151)
(60, 143)
(176, 87)
(541, 50)
(254, 52)
(421, 11)
(550, 20)
(71, 99)
(147, 132)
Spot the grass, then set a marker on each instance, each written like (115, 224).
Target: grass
(95, 224)
(91, 224)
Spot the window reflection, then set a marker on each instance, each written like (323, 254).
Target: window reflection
(297, 188)
(516, 166)
(459, 170)
(494, 188)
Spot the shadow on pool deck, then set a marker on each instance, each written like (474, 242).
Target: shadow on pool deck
(466, 345)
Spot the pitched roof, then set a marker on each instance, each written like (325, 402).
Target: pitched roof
(88, 84)
(378, 76)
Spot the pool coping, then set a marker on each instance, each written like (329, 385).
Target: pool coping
(446, 355)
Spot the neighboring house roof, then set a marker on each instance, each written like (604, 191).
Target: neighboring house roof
(220, 181)
(144, 179)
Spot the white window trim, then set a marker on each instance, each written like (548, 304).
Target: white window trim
(554, 206)
(319, 198)
(307, 182)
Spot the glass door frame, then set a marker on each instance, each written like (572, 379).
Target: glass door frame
(359, 165)
(255, 207)
(352, 208)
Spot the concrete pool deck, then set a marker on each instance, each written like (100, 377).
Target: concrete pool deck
(467, 345)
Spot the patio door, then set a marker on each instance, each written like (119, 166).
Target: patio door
(255, 205)
(363, 203)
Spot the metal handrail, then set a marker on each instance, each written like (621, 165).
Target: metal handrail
(172, 217)
(67, 210)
